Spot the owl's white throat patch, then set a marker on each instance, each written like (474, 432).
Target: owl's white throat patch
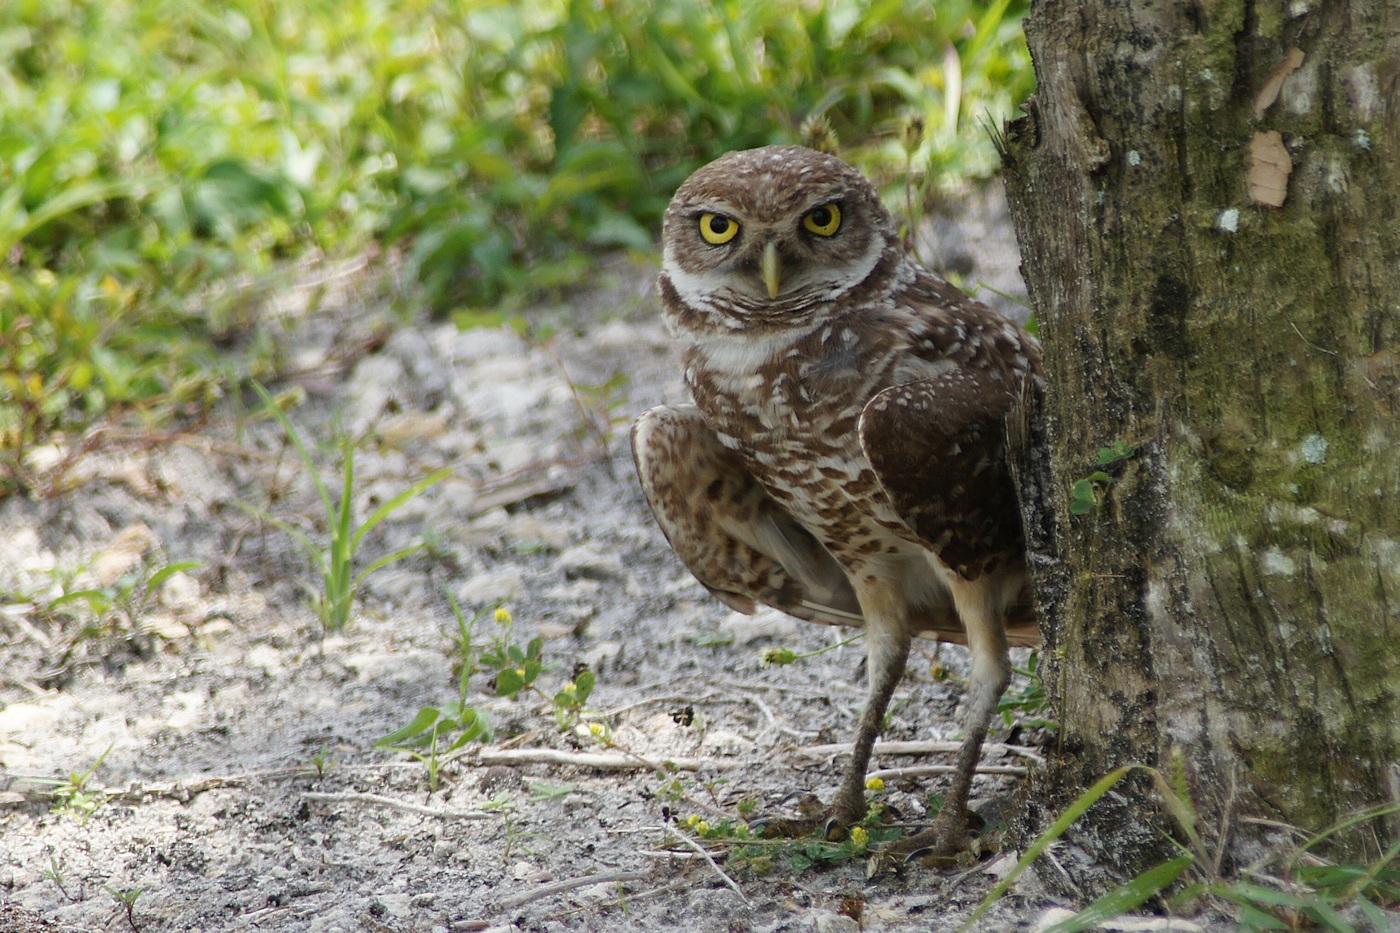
(740, 354)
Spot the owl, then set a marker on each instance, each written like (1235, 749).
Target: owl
(847, 457)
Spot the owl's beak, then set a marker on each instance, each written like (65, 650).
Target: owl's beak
(772, 269)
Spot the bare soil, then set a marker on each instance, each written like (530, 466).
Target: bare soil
(239, 787)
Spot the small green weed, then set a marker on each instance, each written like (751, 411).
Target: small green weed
(73, 797)
(127, 898)
(438, 731)
(1316, 895)
(59, 876)
(777, 657)
(504, 804)
(335, 560)
(1027, 701)
(515, 670)
(762, 855)
(128, 598)
(1088, 493)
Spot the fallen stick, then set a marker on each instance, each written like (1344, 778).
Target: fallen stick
(380, 801)
(920, 770)
(916, 748)
(713, 864)
(559, 887)
(599, 761)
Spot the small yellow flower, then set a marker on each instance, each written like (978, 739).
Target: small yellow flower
(571, 689)
(702, 827)
(691, 820)
(596, 729)
(875, 784)
(503, 616)
(860, 836)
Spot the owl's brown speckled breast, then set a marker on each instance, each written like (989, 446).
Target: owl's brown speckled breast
(792, 416)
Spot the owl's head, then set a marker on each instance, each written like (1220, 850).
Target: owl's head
(765, 236)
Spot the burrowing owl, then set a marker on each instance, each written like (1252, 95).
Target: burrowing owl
(846, 458)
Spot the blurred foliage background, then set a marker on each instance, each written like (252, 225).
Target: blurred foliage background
(160, 158)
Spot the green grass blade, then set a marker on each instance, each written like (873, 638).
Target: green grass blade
(987, 25)
(73, 199)
(1125, 897)
(388, 559)
(1252, 918)
(1362, 817)
(295, 437)
(388, 508)
(1073, 812)
(313, 550)
(1325, 915)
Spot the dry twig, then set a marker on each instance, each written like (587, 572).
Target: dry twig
(559, 887)
(599, 761)
(391, 803)
(713, 864)
(889, 774)
(917, 748)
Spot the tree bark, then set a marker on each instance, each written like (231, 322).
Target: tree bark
(1207, 199)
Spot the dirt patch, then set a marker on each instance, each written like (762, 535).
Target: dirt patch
(238, 787)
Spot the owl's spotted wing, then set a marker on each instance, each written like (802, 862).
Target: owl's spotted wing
(938, 443)
(937, 448)
(729, 533)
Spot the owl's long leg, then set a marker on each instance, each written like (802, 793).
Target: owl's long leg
(980, 605)
(887, 651)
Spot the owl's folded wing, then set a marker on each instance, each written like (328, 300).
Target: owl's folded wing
(737, 541)
(938, 448)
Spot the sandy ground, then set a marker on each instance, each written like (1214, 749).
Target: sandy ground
(238, 786)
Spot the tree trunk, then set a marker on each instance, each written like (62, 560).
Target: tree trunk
(1207, 199)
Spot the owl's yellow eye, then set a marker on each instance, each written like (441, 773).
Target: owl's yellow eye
(718, 229)
(824, 220)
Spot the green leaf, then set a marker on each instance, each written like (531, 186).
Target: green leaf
(169, 570)
(541, 790)
(1271, 896)
(509, 682)
(421, 723)
(1081, 506)
(474, 726)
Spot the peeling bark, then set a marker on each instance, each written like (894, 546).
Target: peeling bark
(1234, 600)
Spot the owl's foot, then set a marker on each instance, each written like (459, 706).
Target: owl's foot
(936, 847)
(832, 824)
